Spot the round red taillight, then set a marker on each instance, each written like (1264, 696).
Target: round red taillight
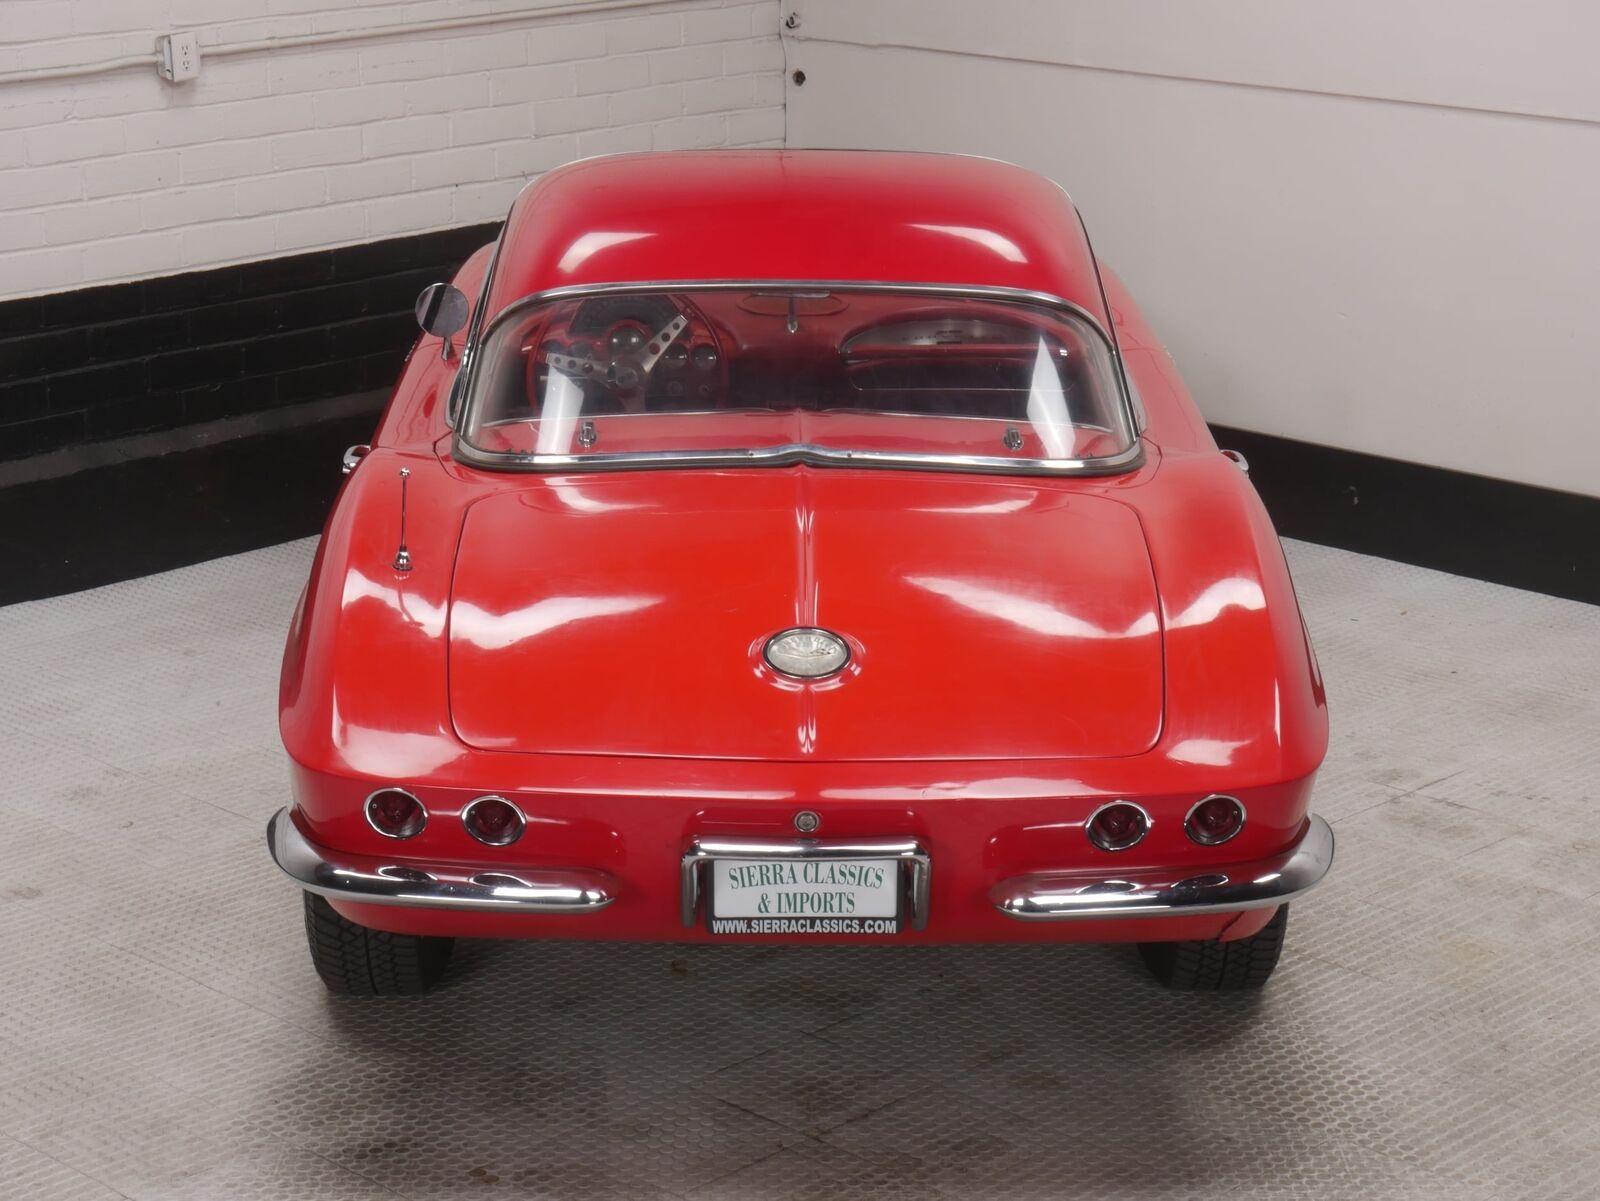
(1214, 820)
(493, 820)
(395, 813)
(1117, 826)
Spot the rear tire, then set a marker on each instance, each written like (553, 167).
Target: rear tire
(356, 961)
(1245, 963)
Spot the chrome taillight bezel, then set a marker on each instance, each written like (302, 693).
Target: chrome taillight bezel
(411, 829)
(515, 833)
(1124, 845)
(1206, 840)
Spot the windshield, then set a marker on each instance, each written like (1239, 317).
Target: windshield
(758, 375)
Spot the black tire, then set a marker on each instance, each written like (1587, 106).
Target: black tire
(1245, 963)
(356, 961)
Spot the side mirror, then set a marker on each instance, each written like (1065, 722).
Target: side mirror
(442, 312)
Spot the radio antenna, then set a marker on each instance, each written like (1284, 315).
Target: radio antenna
(402, 557)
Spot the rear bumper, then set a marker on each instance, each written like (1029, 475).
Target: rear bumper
(369, 881)
(1093, 898)
(1232, 888)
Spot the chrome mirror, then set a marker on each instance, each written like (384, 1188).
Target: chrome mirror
(442, 312)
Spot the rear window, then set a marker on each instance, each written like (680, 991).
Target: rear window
(757, 375)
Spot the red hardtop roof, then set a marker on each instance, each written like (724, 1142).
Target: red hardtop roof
(835, 215)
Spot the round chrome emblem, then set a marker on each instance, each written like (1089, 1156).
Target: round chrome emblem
(806, 653)
(806, 821)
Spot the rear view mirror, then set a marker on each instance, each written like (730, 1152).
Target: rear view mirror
(442, 312)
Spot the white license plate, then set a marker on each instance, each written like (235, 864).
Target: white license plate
(804, 896)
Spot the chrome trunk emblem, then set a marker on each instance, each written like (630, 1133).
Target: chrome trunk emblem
(806, 653)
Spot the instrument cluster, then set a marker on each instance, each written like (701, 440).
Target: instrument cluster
(630, 354)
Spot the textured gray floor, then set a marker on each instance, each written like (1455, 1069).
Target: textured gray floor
(1431, 1034)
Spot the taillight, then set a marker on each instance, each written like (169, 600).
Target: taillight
(1117, 826)
(395, 813)
(1214, 820)
(493, 820)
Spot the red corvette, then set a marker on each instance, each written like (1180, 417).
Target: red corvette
(797, 546)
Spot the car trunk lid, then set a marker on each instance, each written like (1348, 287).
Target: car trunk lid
(625, 615)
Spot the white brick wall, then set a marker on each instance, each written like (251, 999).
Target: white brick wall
(123, 176)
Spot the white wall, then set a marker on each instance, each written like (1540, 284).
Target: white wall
(1370, 225)
(123, 176)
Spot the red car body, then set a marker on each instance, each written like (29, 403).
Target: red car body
(587, 644)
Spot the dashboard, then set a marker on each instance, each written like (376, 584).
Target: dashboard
(629, 354)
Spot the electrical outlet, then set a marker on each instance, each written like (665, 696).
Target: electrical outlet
(178, 55)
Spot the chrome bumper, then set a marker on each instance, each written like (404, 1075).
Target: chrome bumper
(1064, 896)
(703, 850)
(372, 881)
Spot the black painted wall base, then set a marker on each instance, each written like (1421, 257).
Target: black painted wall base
(152, 514)
(1508, 533)
(120, 360)
(150, 424)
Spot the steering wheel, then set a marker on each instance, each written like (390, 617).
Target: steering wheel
(629, 354)
(630, 366)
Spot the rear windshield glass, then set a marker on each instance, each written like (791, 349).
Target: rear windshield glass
(753, 375)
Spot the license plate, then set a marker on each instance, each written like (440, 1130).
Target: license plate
(804, 896)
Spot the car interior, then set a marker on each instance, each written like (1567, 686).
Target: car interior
(799, 350)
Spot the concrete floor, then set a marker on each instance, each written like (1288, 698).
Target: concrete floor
(1432, 1032)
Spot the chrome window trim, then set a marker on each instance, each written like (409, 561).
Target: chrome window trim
(1140, 415)
(810, 454)
(1124, 460)
(469, 343)
(1111, 320)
